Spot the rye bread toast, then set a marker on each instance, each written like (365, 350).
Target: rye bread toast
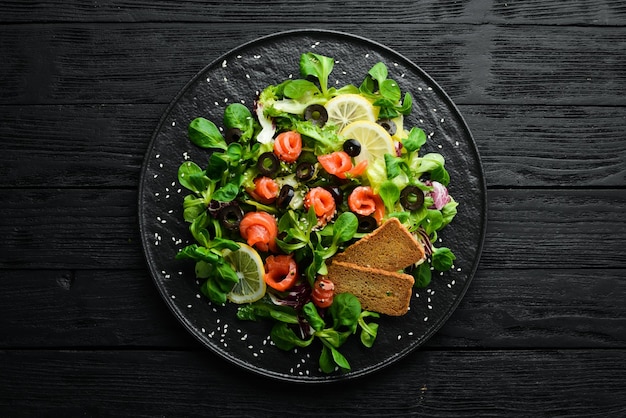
(390, 247)
(386, 292)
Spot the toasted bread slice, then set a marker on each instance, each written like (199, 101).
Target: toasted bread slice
(390, 247)
(381, 291)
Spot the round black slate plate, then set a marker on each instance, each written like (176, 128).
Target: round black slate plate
(238, 76)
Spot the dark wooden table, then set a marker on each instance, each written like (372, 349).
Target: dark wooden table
(542, 329)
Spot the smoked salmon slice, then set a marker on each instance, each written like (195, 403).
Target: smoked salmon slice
(322, 202)
(265, 190)
(288, 146)
(363, 201)
(339, 164)
(260, 230)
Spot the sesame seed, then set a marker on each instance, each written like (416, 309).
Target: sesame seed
(224, 64)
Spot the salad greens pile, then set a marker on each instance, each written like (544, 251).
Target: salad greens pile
(412, 186)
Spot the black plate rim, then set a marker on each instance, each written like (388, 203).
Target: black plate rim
(396, 356)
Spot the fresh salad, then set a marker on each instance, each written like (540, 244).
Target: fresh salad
(295, 180)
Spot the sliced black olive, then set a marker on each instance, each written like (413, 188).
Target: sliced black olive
(285, 195)
(411, 198)
(389, 125)
(214, 208)
(352, 147)
(316, 114)
(305, 171)
(230, 216)
(268, 163)
(337, 194)
(233, 135)
(367, 224)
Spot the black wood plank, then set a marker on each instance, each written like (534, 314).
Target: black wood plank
(150, 63)
(103, 145)
(75, 146)
(548, 146)
(566, 308)
(438, 384)
(92, 229)
(578, 12)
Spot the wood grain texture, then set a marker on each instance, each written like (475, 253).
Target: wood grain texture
(104, 145)
(569, 308)
(578, 12)
(150, 63)
(441, 384)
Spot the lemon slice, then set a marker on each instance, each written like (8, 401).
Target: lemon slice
(249, 267)
(347, 108)
(374, 139)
